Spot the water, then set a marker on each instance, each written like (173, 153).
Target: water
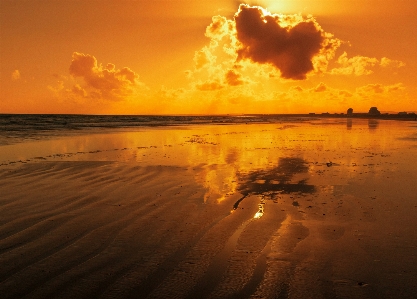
(23, 127)
(29, 137)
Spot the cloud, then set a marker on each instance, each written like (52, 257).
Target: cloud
(78, 90)
(344, 93)
(219, 28)
(261, 45)
(320, 88)
(203, 58)
(296, 88)
(288, 42)
(379, 88)
(234, 78)
(357, 65)
(386, 62)
(249, 58)
(209, 85)
(102, 82)
(15, 75)
(58, 88)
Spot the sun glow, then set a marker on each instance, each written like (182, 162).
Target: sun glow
(275, 6)
(260, 210)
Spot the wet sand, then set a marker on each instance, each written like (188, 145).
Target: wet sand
(311, 209)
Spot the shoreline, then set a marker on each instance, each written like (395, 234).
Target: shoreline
(17, 127)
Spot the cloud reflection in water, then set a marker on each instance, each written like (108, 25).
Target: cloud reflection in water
(277, 180)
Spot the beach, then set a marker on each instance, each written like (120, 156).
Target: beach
(301, 208)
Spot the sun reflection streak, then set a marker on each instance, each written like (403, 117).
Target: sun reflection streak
(261, 208)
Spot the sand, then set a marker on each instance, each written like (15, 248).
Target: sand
(310, 209)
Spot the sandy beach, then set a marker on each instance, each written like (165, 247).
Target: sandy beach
(323, 208)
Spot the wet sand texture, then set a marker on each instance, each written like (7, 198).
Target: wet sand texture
(267, 211)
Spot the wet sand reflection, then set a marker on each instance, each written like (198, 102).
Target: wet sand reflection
(306, 209)
(373, 124)
(278, 180)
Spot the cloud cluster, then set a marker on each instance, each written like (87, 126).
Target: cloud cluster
(102, 82)
(379, 89)
(357, 65)
(386, 62)
(287, 42)
(257, 45)
(248, 65)
(360, 65)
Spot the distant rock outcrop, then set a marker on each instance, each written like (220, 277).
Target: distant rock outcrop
(350, 112)
(374, 111)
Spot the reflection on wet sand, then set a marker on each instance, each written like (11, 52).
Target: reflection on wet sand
(349, 123)
(320, 211)
(277, 180)
(261, 210)
(373, 124)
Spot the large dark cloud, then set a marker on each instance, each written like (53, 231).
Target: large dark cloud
(289, 46)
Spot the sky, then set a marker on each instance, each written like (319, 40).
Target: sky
(207, 57)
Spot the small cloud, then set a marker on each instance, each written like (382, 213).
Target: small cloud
(296, 88)
(357, 65)
(386, 62)
(395, 87)
(103, 82)
(320, 88)
(234, 78)
(345, 93)
(15, 75)
(58, 88)
(379, 88)
(360, 65)
(209, 86)
(375, 88)
(218, 28)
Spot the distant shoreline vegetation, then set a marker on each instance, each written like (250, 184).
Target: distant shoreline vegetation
(398, 116)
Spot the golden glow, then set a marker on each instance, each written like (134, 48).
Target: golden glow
(284, 6)
(182, 57)
(261, 209)
(230, 160)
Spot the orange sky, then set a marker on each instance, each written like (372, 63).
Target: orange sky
(193, 57)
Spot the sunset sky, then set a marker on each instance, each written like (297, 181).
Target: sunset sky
(207, 57)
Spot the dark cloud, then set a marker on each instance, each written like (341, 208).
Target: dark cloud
(233, 78)
(209, 85)
(288, 44)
